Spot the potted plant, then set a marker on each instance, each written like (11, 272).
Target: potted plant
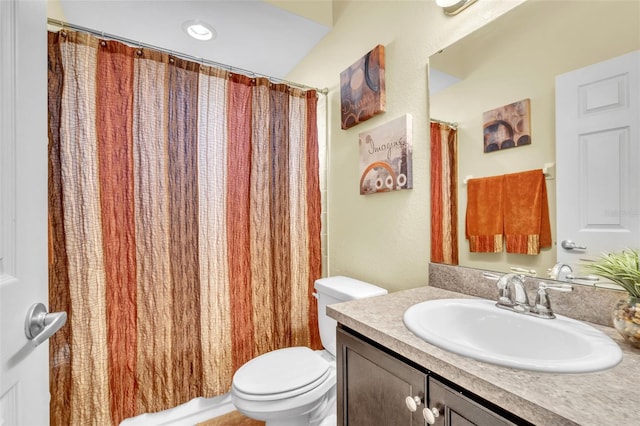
(623, 269)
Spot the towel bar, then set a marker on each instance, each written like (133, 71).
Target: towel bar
(548, 170)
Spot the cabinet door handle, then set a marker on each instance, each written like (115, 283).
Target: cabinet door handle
(413, 402)
(430, 415)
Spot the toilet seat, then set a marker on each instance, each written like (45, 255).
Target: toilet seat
(281, 374)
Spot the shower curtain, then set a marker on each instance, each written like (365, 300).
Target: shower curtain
(184, 211)
(444, 194)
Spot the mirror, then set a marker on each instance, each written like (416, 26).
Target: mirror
(516, 57)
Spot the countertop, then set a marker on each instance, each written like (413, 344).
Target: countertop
(609, 397)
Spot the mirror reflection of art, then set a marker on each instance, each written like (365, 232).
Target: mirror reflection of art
(386, 157)
(362, 89)
(508, 126)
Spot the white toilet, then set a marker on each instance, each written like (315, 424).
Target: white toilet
(297, 386)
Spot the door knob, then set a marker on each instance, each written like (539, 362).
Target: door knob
(570, 245)
(40, 325)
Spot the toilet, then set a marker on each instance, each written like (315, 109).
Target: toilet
(297, 386)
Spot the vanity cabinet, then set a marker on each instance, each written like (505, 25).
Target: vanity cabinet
(376, 387)
(372, 386)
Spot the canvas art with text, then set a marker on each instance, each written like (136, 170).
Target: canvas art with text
(386, 157)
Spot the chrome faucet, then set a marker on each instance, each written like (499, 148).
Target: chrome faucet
(518, 301)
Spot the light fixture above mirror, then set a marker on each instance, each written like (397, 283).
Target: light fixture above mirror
(453, 7)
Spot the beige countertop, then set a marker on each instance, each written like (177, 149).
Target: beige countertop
(603, 398)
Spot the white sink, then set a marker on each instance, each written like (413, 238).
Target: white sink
(476, 328)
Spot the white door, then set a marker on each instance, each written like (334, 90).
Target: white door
(24, 380)
(598, 159)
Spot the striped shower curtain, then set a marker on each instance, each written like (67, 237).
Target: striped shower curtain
(444, 193)
(184, 211)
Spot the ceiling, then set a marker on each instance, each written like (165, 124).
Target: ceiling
(252, 35)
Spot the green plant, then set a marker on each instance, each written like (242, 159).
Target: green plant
(622, 268)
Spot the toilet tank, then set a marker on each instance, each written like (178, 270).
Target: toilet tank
(335, 290)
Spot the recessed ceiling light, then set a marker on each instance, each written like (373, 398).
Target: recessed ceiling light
(199, 30)
(453, 7)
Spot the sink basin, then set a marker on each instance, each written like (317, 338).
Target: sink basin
(476, 328)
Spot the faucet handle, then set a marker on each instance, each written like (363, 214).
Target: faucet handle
(565, 288)
(491, 276)
(542, 306)
(571, 277)
(524, 271)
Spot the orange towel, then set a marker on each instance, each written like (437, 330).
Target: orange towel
(526, 212)
(484, 220)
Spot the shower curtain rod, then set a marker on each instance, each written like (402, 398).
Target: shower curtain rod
(62, 25)
(454, 125)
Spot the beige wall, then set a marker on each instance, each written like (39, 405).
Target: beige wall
(320, 11)
(54, 10)
(384, 238)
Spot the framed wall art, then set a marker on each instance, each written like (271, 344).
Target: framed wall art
(508, 126)
(362, 88)
(386, 157)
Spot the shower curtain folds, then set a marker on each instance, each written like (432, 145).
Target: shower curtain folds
(184, 215)
(444, 192)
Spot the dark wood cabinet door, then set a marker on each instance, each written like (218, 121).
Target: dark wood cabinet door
(372, 386)
(457, 410)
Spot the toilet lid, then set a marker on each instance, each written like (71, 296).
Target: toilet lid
(280, 371)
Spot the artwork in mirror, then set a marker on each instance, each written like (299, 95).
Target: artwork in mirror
(514, 57)
(508, 126)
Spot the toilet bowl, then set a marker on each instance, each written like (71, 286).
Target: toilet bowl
(286, 387)
(296, 386)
